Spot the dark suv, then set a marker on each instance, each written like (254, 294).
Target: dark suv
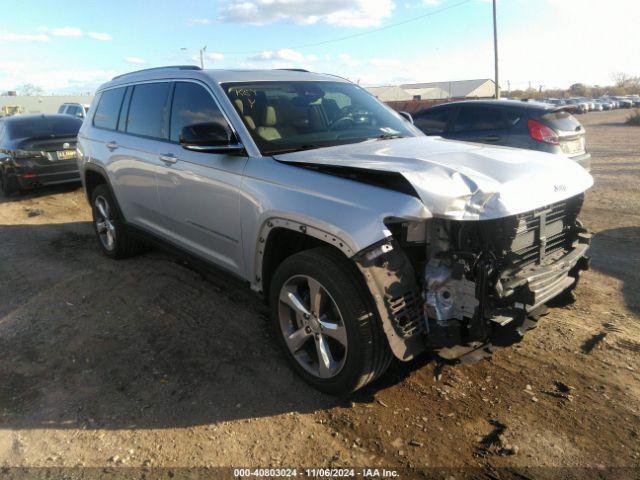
(534, 126)
(37, 150)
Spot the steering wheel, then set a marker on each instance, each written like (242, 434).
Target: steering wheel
(342, 123)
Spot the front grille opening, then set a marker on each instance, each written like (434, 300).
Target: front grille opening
(517, 240)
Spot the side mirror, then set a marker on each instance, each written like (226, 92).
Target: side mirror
(209, 137)
(407, 116)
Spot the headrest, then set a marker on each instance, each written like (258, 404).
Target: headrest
(239, 105)
(250, 123)
(270, 118)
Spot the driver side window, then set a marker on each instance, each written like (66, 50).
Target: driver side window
(193, 104)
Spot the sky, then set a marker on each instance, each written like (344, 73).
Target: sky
(73, 46)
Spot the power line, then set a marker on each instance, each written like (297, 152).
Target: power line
(359, 34)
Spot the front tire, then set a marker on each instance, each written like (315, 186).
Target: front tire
(113, 238)
(325, 322)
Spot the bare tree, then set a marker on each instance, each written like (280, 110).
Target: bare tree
(29, 89)
(623, 80)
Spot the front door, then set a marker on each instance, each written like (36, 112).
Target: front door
(480, 124)
(199, 191)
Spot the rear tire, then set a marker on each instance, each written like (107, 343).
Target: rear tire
(359, 354)
(7, 187)
(113, 238)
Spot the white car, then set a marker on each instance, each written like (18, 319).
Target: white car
(79, 110)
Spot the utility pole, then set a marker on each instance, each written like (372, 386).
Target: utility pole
(495, 47)
(202, 50)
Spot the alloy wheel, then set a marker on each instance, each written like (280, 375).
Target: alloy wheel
(105, 223)
(312, 326)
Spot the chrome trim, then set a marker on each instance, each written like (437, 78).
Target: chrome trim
(232, 147)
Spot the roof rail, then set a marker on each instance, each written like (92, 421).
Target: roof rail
(294, 69)
(169, 67)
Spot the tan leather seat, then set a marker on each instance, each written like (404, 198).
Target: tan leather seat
(270, 129)
(247, 118)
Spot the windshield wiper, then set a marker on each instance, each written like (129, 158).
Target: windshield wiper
(309, 146)
(385, 136)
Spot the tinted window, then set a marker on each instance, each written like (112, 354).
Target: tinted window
(108, 109)
(192, 104)
(432, 122)
(61, 109)
(73, 111)
(561, 120)
(148, 110)
(42, 126)
(477, 118)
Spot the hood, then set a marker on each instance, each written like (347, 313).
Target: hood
(461, 181)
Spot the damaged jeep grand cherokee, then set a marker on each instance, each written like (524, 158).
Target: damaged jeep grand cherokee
(368, 239)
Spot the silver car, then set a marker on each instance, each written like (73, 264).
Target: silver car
(368, 240)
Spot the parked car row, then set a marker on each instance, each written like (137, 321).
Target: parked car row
(584, 105)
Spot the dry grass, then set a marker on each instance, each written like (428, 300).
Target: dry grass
(634, 118)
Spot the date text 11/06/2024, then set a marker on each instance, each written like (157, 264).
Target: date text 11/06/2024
(316, 472)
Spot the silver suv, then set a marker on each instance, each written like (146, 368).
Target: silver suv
(368, 239)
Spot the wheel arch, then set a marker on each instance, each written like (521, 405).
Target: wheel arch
(280, 238)
(93, 176)
(384, 268)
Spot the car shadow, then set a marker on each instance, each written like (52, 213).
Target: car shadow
(40, 192)
(616, 253)
(148, 342)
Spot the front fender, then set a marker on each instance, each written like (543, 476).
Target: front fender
(345, 213)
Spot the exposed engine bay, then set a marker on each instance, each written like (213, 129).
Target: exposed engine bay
(475, 285)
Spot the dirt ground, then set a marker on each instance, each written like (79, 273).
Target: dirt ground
(147, 362)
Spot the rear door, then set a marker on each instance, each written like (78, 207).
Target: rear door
(144, 132)
(433, 121)
(124, 139)
(200, 192)
(480, 124)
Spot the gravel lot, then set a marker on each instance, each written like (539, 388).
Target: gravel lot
(147, 362)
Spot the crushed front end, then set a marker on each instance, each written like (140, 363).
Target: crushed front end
(480, 284)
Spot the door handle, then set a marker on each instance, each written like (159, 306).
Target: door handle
(112, 145)
(168, 158)
(491, 138)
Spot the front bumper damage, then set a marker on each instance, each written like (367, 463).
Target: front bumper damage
(462, 305)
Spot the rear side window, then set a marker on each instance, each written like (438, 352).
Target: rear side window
(479, 118)
(61, 109)
(192, 104)
(148, 110)
(108, 109)
(432, 122)
(561, 120)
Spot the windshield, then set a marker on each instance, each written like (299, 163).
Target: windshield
(289, 116)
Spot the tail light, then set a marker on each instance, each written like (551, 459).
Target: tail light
(27, 153)
(542, 133)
